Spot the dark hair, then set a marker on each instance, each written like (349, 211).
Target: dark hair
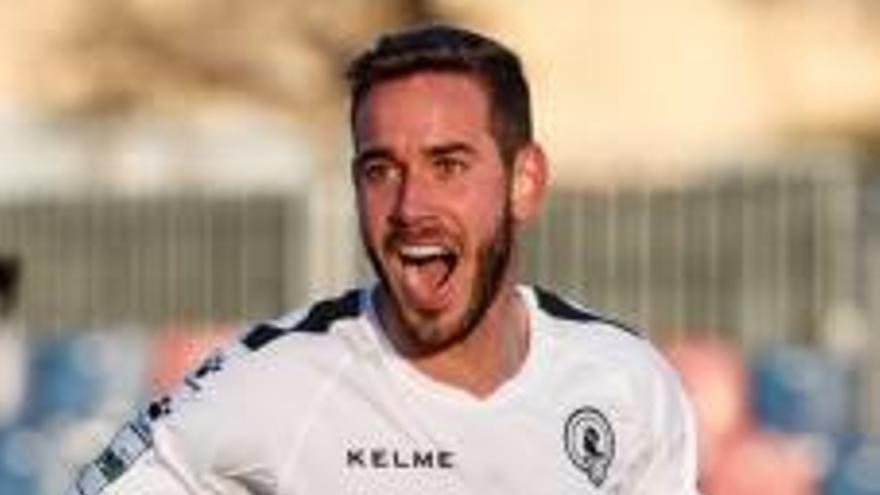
(451, 49)
(10, 272)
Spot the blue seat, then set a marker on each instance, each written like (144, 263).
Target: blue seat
(800, 390)
(18, 467)
(64, 380)
(856, 468)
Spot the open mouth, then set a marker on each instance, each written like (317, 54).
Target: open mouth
(428, 265)
(426, 269)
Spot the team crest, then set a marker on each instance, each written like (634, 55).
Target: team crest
(589, 443)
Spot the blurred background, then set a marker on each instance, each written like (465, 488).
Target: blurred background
(170, 171)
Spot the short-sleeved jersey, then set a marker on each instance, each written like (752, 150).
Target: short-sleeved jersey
(318, 402)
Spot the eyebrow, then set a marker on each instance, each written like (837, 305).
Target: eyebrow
(450, 148)
(371, 154)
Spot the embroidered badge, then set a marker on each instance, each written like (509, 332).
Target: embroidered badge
(589, 443)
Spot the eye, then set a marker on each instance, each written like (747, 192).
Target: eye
(378, 171)
(449, 166)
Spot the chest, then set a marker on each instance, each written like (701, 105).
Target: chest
(373, 440)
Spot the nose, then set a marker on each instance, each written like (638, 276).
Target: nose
(413, 200)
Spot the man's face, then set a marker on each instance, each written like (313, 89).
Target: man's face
(434, 203)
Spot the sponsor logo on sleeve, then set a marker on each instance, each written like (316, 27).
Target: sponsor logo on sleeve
(210, 365)
(125, 448)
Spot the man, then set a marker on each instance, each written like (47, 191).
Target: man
(447, 377)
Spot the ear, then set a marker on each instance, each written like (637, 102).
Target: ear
(530, 177)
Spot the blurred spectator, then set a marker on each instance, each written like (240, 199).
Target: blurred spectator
(19, 462)
(800, 390)
(769, 428)
(64, 380)
(10, 274)
(12, 345)
(856, 468)
(717, 382)
(762, 463)
(13, 375)
(179, 350)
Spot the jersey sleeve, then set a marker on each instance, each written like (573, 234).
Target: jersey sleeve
(141, 460)
(671, 448)
(177, 445)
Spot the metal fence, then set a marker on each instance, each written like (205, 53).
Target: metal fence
(757, 260)
(97, 261)
(761, 260)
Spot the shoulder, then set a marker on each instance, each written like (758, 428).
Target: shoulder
(566, 311)
(586, 338)
(270, 375)
(232, 412)
(584, 331)
(287, 345)
(627, 386)
(265, 346)
(317, 319)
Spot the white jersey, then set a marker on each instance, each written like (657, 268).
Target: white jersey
(319, 403)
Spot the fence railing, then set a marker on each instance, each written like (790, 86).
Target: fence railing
(758, 259)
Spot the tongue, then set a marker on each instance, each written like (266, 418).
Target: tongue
(424, 281)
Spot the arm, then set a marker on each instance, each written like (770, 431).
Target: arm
(134, 464)
(170, 449)
(671, 439)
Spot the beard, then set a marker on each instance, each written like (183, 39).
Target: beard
(426, 336)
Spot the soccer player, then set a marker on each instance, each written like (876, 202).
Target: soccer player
(447, 376)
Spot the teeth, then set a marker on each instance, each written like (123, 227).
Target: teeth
(423, 251)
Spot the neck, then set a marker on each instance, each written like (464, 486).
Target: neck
(492, 353)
